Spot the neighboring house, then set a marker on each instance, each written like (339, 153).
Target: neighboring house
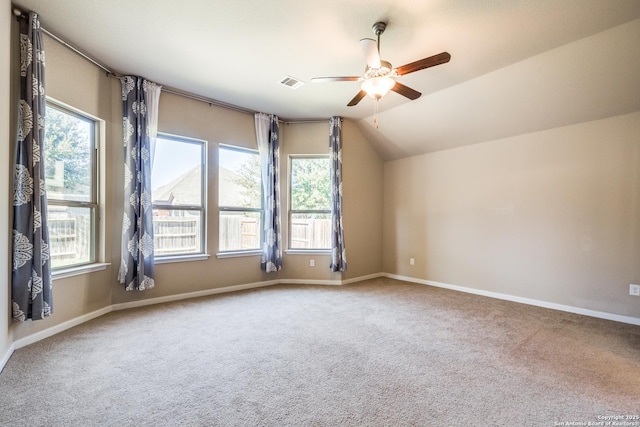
(228, 188)
(186, 188)
(183, 190)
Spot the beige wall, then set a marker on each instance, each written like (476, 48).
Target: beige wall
(76, 82)
(5, 206)
(363, 173)
(552, 216)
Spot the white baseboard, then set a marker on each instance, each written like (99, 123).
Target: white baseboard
(46, 333)
(529, 301)
(309, 282)
(329, 282)
(361, 278)
(197, 294)
(235, 288)
(6, 357)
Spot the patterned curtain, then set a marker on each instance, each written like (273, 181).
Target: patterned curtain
(136, 267)
(338, 253)
(268, 135)
(31, 274)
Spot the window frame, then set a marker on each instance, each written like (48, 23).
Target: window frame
(93, 205)
(260, 210)
(202, 208)
(291, 211)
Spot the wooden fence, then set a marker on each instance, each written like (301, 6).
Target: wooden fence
(70, 235)
(69, 238)
(173, 235)
(310, 233)
(239, 233)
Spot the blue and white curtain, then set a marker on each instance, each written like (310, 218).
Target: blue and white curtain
(338, 253)
(31, 291)
(268, 136)
(139, 99)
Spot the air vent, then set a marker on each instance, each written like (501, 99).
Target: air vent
(291, 82)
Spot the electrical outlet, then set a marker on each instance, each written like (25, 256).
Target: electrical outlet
(634, 290)
(412, 261)
(312, 263)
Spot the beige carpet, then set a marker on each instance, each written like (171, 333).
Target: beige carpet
(378, 353)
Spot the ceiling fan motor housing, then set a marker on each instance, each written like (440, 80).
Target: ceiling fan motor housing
(385, 70)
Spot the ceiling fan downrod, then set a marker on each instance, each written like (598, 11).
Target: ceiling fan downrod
(378, 28)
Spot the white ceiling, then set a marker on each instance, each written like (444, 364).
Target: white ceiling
(517, 65)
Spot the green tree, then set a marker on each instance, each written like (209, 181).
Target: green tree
(310, 186)
(67, 142)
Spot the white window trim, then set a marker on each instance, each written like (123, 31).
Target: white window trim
(98, 171)
(301, 251)
(168, 259)
(63, 272)
(239, 252)
(308, 251)
(235, 254)
(203, 254)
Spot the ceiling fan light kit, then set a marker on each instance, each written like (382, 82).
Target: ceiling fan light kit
(377, 87)
(380, 76)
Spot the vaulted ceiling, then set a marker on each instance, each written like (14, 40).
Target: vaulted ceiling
(517, 66)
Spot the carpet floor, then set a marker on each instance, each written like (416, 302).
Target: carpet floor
(378, 353)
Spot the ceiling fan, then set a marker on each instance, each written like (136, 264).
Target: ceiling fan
(379, 76)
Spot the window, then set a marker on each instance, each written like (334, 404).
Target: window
(309, 203)
(71, 171)
(239, 199)
(178, 185)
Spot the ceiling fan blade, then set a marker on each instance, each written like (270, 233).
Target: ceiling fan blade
(406, 91)
(357, 98)
(371, 54)
(421, 64)
(336, 79)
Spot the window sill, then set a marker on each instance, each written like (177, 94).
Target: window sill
(234, 254)
(308, 252)
(180, 258)
(79, 270)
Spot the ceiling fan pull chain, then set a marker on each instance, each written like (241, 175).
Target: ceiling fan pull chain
(375, 113)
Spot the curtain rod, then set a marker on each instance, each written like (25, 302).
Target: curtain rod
(303, 122)
(18, 13)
